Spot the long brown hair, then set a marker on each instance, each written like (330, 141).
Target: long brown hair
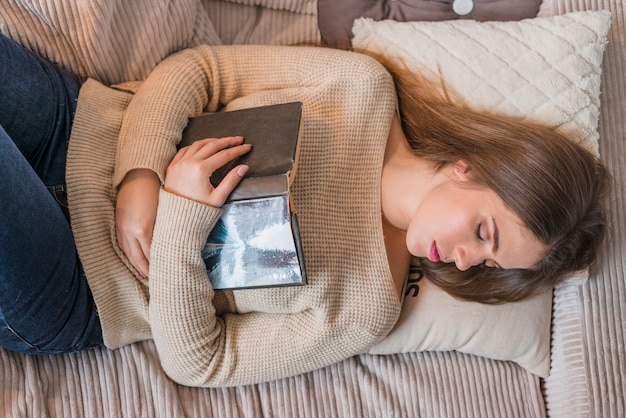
(554, 185)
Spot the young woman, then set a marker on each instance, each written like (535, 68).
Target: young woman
(555, 189)
(372, 192)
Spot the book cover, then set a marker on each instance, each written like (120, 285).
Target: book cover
(273, 131)
(256, 241)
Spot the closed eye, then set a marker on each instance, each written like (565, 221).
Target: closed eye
(478, 227)
(485, 263)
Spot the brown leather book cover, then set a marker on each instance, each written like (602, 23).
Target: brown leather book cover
(256, 241)
(274, 132)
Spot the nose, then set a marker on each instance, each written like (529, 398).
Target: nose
(461, 264)
(464, 258)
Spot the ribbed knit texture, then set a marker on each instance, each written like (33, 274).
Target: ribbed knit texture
(588, 376)
(350, 300)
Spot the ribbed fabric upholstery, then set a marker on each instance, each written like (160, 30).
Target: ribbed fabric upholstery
(130, 383)
(588, 377)
(296, 6)
(92, 38)
(238, 22)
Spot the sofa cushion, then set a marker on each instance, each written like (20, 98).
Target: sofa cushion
(335, 18)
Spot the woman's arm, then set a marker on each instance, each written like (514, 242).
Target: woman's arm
(196, 346)
(151, 128)
(182, 86)
(135, 212)
(186, 176)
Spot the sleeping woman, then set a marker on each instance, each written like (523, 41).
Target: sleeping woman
(495, 209)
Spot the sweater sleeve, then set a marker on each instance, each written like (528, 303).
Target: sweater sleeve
(204, 79)
(196, 346)
(153, 123)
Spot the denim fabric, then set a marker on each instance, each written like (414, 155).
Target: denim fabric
(46, 305)
(37, 105)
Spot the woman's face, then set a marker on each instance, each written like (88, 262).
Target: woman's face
(469, 226)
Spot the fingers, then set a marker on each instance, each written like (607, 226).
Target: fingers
(205, 148)
(213, 152)
(189, 173)
(141, 258)
(138, 254)
(229, 182)
(135, 214)
(224, 156)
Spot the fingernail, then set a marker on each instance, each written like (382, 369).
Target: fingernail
(241, 171)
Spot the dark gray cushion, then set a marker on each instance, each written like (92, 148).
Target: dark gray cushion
(335, 17)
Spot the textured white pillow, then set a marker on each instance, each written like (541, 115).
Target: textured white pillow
(546, 69)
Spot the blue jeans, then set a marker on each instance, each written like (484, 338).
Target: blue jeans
(46, 306)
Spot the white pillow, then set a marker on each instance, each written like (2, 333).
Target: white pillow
(432, 320)
(546, 69)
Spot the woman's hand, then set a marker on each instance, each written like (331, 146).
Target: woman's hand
(135, 213)
(189, 173)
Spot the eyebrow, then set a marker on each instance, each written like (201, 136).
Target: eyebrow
(496, 237)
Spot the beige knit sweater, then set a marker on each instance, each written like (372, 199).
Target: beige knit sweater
(209, 338)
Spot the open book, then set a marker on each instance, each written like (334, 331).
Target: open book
(256, 241)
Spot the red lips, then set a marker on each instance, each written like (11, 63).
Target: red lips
(434, 253)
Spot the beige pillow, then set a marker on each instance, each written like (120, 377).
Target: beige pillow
(546, 69)
(432, 320)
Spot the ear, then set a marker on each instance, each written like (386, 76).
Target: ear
(461, 171)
